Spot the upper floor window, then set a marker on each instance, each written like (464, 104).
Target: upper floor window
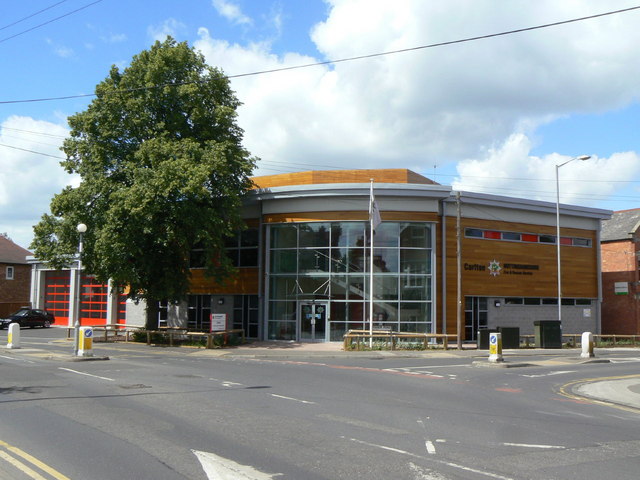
(10, 273)
(525, 237)
(242, 249)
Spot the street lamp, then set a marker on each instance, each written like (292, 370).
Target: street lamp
(581, 157)
(81, 228)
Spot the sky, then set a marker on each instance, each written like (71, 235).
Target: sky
(492, 115)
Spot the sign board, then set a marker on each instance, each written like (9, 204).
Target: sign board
(218, 322)
(621, 288)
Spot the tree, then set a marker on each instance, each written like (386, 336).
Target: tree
(162, 170)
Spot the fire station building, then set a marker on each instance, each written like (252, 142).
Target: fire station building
(304, 263)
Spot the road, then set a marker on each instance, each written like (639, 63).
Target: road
(170, 413)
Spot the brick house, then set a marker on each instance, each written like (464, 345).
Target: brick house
(620, 253)
(15, 276)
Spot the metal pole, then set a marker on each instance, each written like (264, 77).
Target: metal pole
(581, 157)
(558, 243)
(371, 268)
(459, 273)
(77, 300)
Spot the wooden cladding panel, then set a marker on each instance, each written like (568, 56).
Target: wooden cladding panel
(389, 175)
(579, 266)
(349, 216)
(244, 282)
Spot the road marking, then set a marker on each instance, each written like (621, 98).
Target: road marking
(87, 374)
(293, 399)
(549, 374)
(564, 390)
(219, 468)
(624, 360)
(431, 450)
(32, 460)
(16, 359)
(442, 462)
(527, 445)
(230, 384)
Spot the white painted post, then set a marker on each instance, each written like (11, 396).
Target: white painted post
(85, 342)
(495, 347)
(587, 345)
(13, 338)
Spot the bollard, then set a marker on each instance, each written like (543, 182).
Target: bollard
(13, 337)
(587, 345)
(85, 342)
(495, 347)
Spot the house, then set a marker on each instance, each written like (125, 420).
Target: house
(620, 251)
(15, 276)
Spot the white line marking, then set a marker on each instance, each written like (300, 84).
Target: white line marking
(87, 374)
(548, 374)
(442, 462)
(527, 445)
(231, 384)
(431, 450)
(384, 447)
(294, 399)
(219, 468)
(17, 359)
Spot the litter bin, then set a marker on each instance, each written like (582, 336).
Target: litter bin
(548, 333)
(510, 337)
(483, 338)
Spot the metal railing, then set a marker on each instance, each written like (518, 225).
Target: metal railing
(390, 338)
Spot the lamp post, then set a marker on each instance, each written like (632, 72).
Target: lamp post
(581, 157)
(81, 228)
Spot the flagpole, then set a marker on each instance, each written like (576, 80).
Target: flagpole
(371, 220)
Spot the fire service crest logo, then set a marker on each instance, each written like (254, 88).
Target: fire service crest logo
(494, 268)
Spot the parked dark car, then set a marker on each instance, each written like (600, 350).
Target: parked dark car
(28, 317)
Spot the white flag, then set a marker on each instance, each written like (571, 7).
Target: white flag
(374, 212)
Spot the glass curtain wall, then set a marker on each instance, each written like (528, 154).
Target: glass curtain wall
(328, 262)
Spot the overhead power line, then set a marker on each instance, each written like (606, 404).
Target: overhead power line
(32, 151)
(340, 60)
(32, 15)
(49, 21)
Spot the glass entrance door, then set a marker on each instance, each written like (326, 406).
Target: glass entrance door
(476, 315)
(313, 321)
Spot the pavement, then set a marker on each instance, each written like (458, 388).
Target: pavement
(621, 391)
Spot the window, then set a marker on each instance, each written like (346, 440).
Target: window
(511, 236)
(473, 232)
(547, 239)
(243, 248)
(513, 301)
(10, 273)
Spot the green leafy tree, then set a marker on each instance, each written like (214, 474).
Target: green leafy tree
(162, 171)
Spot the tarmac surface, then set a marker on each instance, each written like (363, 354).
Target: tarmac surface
(621, 391)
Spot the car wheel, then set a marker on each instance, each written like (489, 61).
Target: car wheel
(46, 324)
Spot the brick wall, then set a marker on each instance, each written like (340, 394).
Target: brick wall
(14, 291)
(620, 313)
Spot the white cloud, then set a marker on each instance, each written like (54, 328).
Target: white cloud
(28, 181)
(60, 50)
(511, 170)
(170, 27)
(432, 106)
(231, 11)
(114, 38)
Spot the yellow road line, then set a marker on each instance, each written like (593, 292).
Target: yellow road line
(31, 459)
(563, 390)
(21, 466)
